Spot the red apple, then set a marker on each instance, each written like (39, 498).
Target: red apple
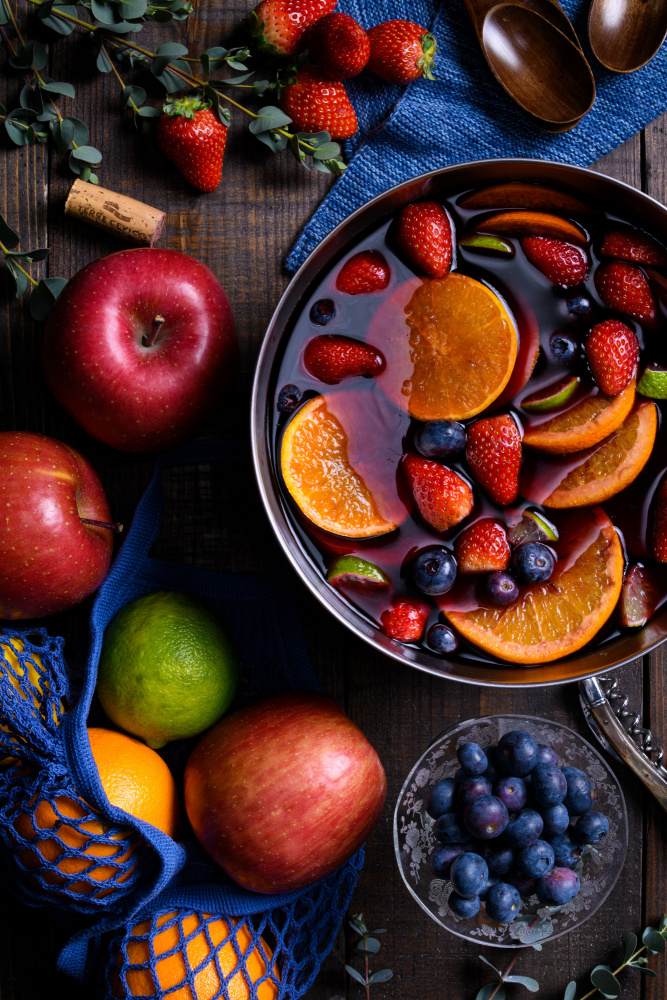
(140, 347)
(50, 559)
(284, 791)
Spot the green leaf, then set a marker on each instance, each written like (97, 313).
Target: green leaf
(355, 975)
(260, 86)
(570, 990)
(7, 235)
(87, 154)
(4, 13)
(233, 81)
(642, 968)
(31, 256)
(491, 966)
(19, 133)
(604, 980)
(103, 62)
(297, 151)
(380, 930)
(81, 133)
(485, 992)
(149, 112)
(103, 11)
(18, 277)
(172, 83)
(381, 976)
(236, 64)
(269, 118)
(133, 9)
(357, 924)
(275, 143)
(172, 49)
(29, 55)
(43, 297)
(531, 985)
(48, 113)
(65, 89)
(63, 134)
(654, 941)
(57, 24)
(630, 945)
(327, 152)
(133, 93)
(371, 945)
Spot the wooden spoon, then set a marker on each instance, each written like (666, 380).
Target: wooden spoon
(538, 64)
(626, 34)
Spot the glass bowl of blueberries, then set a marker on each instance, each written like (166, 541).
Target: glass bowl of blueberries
(509, 830)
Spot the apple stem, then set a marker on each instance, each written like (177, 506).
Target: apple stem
(150, 338)
(111, 525)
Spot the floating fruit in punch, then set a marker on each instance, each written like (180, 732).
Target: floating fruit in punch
(401, 51)
(612, 353)
(277, 26)
(449, 352)
(332, 359)
(351, 571)
(533, 527)
(653, 382)
(518, 195)
(404, 620)
(338, 45)
(532, 224)
(553, 619)
(633, 245)
(624, 287)
(366, 271)
(317, 104)
(442, 496)
(424, 236)
(193, 138)
(551, 397)
(660, 525)
(562, 263)
(584, 424)
(482, 548)
(640, 597)
(493, 452)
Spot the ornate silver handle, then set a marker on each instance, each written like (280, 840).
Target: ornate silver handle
(637, 755)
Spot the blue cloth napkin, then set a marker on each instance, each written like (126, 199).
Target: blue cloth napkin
(466, 115)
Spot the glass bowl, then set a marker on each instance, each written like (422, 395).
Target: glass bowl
(414, 839)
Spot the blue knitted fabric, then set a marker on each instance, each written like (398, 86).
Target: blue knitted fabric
(466, 115)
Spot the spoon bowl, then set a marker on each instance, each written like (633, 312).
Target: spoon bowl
(626, 34)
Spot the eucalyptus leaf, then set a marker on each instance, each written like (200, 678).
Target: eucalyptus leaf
(87, 154)
(355, 975)
(81, 133)
(63, 134)
(276, 145)
(260, 86)
(355, 923)
(236, 64)
(605, 981)
(149, 112)
(172, 49)
(371, 944)
(531, 985)
(31, 256)
(49, 113)
(104, 11)
(7, 235)
(133, 9)
(20, 133)
(44, 296)
(64, 89)
(4, 14)
(570, 990)
(327, 152)
(269, 118)
(315, 138)
(57, 24)
(642, 968)
(630, 945)
(297, 151)
(491, 966)
(380, 930)
(172, 83)
(18, 277)
(234, 81)
(28, 56)
(654, 941)
(103, 62)
(324, 166)
(382, 976)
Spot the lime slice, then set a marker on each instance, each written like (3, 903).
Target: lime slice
(653, 383)
(478, 241)
(352, 571)
(533, 527)
(551, 397)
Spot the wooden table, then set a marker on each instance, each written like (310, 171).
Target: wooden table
(242, 231)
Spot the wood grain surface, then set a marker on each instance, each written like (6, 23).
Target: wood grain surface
(242, 231)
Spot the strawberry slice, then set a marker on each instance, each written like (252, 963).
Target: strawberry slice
(442, 496)
(660, 525)
(424, 235)
(332, 359)
(624, 287)
(612, 352)
(482, 547)
(640, 597)
(633, 245)
(493, 451)
(562, 263)
(366, 271)
(405, 620)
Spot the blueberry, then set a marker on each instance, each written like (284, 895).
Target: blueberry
(441, 858)
(533, 562)
(501, 588)
(448, 829)
(485, 817)
(563, 347)
(556, 820)
(465, 908)
(567, 853)
(524, 828)
(289, 398)
(468, 875)
(591, 828)
(441, 639)
(491, 766)
(490, 882)
(536, 859)
(546, 755)
(459, 775)
(503, 903)
(559, 886)
(434, 571)
(580, 795)
(441, 797)
(322, 312)
(472, 758)
(440, 439)
(524, 885)
(517, 753)
(472, 788)
(579, 305)
(498, 857)
(549, 785)
(511, 791)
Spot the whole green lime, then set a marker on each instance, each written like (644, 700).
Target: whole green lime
(168, 669)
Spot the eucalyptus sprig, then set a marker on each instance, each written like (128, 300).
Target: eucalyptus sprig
(44, 292)
(603, 977)
(496, 990)
(366, 947)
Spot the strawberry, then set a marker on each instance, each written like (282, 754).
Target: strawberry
(613, 354)
(624, 287)
(640, 597)
(631, 244)
(442, 496)
(338, 46)
(563, 263)
(331, 359)
(404, 620)
(660, 525)
(482, 548)
(493, 451)
(366, 271)
(277, 26)
(401, 51)
(193, 138)
(316, 104)
(424, 235)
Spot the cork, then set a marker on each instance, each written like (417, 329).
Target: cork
(131, 219)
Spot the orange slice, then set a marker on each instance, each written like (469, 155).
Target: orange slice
(450, 348)
(613, 465)
(532, 224)
(552, 619)
(519, 195)
(322, 480)
(587, 422)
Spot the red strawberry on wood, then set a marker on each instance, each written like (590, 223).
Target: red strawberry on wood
(401, 51)
(624, 287)
(317, 104)
(194, 139)
(338, 46)
(277, 26)
(493, 451)
(442, 496)
(424, 236)
(332, 359)
(633, 245)
(660, 525)
(482, 547)
(612, 352)
(563, 263)
(405, 620)
(366, 271)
